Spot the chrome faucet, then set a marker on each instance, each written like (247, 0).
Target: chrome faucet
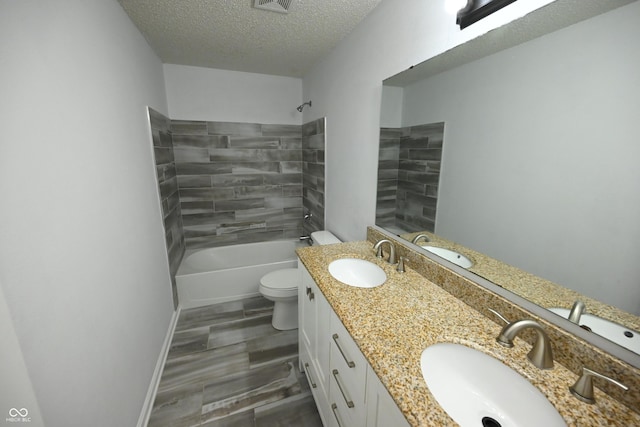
(392, 250)
(308, 239)
(577, 310)
(420, 236)
(541, 354)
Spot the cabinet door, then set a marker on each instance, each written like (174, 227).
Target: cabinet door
(307, 312)
(382, 411)
(323, 333)
(314, 313)
(319, 394)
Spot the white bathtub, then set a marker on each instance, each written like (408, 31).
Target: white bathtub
(227, 273)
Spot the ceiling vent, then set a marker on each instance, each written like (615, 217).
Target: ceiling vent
(280, 6)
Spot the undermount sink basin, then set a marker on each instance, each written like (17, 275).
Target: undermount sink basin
(357, 272)
(612, 331)
(477, 390)
(449, 255)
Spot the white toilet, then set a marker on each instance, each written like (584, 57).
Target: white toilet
(281, 287)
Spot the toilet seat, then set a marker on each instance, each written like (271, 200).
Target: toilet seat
(280, 283)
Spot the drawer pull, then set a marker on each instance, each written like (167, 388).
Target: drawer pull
(310, 294)
(308, 290)
(350, 363)
(347, 399)
(335, 414)
(306, 371)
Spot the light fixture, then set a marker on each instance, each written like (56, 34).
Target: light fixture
(479, 9)
(453, 6)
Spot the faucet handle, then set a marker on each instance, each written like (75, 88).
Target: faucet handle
(400, 267)
(500, 316)
(583, 388)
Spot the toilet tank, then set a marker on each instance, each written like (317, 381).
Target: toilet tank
(323, 237)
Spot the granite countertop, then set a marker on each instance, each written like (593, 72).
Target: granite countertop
(393, 323)
(542, 292)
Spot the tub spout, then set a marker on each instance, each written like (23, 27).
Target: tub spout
(308, 239)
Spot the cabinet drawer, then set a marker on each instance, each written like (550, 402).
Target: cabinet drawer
(337, 416)
(348, 360)
(347, 376)
(346, 410)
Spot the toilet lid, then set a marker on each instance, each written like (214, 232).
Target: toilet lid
(285, 278)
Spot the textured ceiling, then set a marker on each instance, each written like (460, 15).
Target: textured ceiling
(233, 35)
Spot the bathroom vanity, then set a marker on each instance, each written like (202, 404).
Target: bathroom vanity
(361, 348)
(344, 386)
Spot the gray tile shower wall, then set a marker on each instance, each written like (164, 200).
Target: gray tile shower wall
(413, 155)
(388, 164)
(238, 182)
(419, 175)
(313, 148)
(168, 189)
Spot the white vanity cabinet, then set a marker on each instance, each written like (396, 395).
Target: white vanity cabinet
(346, 389)
(314, 314)
(382, 411)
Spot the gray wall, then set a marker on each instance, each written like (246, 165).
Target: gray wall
(82, 256)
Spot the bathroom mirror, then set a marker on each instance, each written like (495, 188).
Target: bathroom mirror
(539, 163)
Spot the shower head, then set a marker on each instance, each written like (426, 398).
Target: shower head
(301, 107)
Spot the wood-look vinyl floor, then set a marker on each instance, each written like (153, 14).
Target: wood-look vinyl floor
(227, 366)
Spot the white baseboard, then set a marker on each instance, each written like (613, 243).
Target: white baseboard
(157, 373)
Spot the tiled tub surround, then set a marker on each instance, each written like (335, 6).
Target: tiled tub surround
(408, 176)
(239, 182)
(313, 144)
(168, 189)
(392, 325)
(569, 350)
